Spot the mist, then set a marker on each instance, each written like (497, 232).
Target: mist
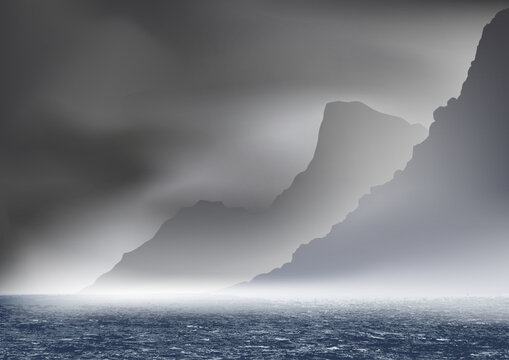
(117, 114)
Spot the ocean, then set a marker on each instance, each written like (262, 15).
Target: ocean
(75, 327)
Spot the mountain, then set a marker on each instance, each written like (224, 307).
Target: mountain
(441, 225)
(357, 148)
(209, 246)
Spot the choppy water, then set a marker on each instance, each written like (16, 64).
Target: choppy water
(69, 327)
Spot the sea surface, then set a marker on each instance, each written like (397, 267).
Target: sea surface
(72, 327)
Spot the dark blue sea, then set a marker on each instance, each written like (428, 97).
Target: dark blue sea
(72, 327)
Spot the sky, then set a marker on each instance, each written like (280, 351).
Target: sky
(114, 114)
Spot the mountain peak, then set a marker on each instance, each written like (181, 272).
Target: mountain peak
(488, 73)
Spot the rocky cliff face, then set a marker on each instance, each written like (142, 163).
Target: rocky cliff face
(440, 226)
(209, 246)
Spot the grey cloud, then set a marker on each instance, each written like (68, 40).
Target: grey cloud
(48, 166)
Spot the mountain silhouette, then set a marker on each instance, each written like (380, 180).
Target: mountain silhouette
(440, 226)
(357, 148)
(209, 246)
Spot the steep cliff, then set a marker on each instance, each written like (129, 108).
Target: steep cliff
(440, 226)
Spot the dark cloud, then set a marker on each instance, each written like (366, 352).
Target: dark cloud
(50, 165)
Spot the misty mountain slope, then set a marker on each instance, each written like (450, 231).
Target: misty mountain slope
(345, 165)
(441, 226)
(209, 246)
